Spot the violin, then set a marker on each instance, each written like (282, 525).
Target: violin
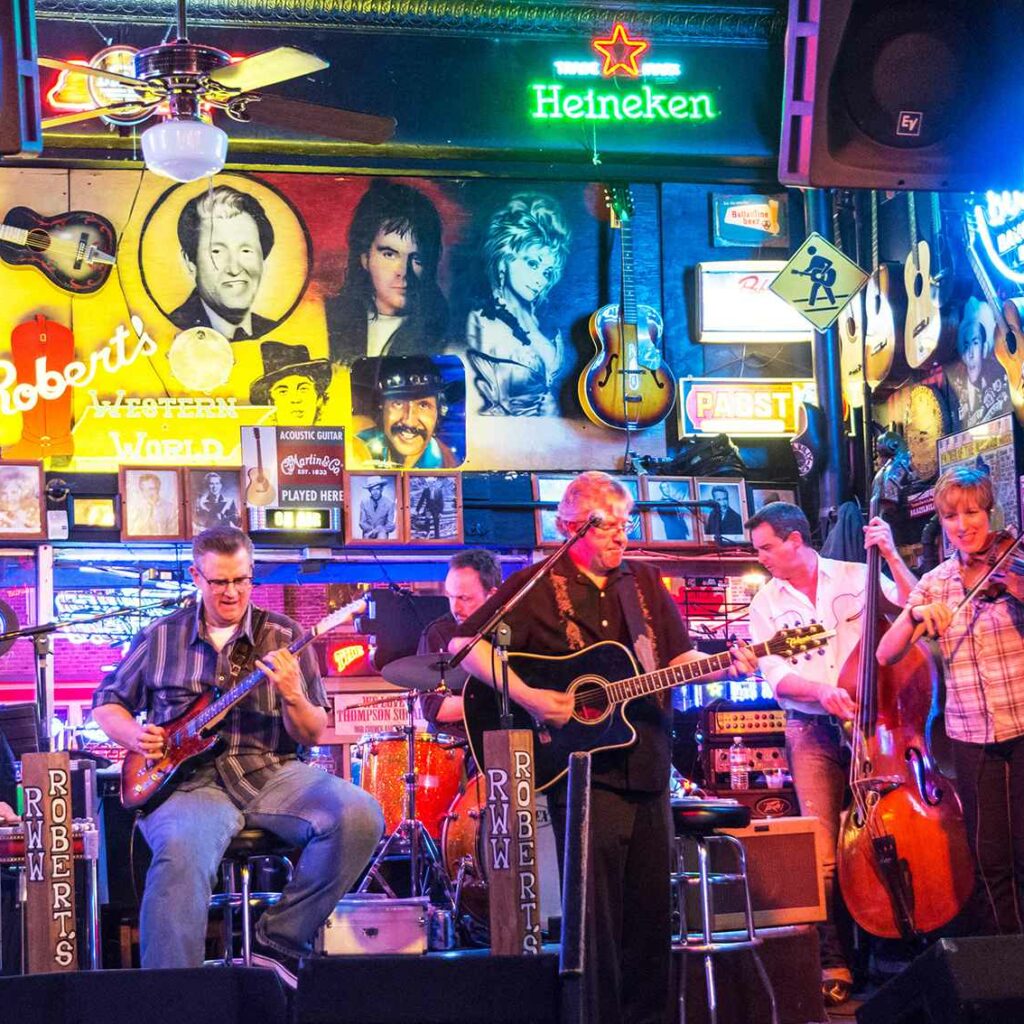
(1002, 569)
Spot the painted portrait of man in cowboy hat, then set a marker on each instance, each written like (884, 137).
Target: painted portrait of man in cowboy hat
(292, 382)
(411, 399)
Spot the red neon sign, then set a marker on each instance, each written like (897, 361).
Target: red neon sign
(620, 52)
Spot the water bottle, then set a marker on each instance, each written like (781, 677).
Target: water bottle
(739, 764)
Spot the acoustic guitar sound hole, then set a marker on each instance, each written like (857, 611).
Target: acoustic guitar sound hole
(590, 701)
(1011, 343)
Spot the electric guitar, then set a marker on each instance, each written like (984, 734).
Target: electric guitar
(73, 250)
(924, 340)
(194, 733)
(1009, 339)
(883, 309)
(626, 385)
(601, 679)
(259, 490)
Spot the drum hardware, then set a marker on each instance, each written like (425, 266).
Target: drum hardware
(426, 868)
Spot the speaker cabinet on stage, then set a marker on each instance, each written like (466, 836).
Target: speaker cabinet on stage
(20, 128)
(784, 858)
(957, 981)
(903, 94)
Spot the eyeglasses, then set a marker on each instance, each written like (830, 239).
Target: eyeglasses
(610, 527)
(220, 586)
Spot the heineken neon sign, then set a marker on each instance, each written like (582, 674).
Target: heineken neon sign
(651, 101)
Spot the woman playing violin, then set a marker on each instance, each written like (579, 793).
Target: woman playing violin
(982, 646)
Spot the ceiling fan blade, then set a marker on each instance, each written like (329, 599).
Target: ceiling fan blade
(267, 68)
(314, 119)
(87, 69)
(84, 115)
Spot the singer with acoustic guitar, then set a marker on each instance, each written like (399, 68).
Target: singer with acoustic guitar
(257, 780)
(593, 594)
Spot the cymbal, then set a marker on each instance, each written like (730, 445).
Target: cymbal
(421, 672)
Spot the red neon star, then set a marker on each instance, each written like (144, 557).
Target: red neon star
(620, 52)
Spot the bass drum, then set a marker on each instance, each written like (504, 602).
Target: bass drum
(463, 841)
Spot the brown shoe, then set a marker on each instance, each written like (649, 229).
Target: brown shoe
(836, 985)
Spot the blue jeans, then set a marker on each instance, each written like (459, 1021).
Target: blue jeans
(819, 763)
(336, 825)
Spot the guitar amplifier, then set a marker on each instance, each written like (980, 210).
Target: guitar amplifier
(762, 725)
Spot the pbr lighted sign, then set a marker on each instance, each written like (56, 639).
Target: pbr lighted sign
(653, 101)
(740, 407)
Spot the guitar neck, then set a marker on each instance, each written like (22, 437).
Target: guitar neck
(874, 232)
(674, 675)
(13, 235)
(980, 273)
(912, 217)
(628, 308)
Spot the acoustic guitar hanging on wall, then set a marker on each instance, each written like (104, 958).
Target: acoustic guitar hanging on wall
(626, 385)
(73, 250)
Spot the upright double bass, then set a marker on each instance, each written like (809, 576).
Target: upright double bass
(904, 866)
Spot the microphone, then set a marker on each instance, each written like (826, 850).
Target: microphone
(596, 518)
(180, 599)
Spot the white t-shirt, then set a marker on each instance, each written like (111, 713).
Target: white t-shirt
(379, 329)
(839, 606)
(220, 635)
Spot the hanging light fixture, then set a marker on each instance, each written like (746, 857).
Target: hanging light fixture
(184, 148)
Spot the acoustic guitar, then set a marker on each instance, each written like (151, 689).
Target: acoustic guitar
(925, 339)
(1009, 333)
(626, 385)
(194, 734)
(851, 319)
(73, 250)
(601, 679)
(883, 309)
(259, 490)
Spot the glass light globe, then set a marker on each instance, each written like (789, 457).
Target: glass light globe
(184, 150)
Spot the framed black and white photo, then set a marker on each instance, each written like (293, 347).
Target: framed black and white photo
(152, 505)
(22, 513)
(373, 509)
(549, 487)
(213, 498)
(433, 508)
(761, 494)
(725, 521)
(635, 533)
(674, 522)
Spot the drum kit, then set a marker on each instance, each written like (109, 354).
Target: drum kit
(419, 779)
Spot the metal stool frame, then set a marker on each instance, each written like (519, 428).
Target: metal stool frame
(709, 942)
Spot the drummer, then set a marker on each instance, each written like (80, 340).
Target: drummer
(472, 577)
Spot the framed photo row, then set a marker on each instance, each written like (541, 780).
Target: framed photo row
(175, 504)
(684, 511)
(403, 508)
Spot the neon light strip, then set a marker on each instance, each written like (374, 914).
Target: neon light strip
(993, 254)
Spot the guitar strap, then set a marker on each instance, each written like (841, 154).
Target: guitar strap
(636, 622)
(242, 659)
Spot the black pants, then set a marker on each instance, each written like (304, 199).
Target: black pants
(628, 928)
(990, 781)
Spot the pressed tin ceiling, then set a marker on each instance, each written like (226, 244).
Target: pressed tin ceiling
(736, 22)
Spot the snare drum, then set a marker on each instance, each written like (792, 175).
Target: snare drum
(439, 774)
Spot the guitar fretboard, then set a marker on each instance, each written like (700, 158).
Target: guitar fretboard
(16, 236)
(688, 672)
(628, 284)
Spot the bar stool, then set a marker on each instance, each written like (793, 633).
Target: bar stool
(251, 844)
(698, 822)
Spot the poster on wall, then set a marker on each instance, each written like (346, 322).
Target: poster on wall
(751, 220)
(988, 446)
(251, 300)
(294, 467)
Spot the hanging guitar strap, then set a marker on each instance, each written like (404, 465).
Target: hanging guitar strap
(242, 659)
(643, 648)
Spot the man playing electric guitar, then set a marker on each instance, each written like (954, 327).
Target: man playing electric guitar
(593, 594)
(256, 781)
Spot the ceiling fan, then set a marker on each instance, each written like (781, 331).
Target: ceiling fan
(184, 82)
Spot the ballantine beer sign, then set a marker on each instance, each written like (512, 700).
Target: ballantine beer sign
(652, 102)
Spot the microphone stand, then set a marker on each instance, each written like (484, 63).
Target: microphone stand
(502, 634)
(41, 633)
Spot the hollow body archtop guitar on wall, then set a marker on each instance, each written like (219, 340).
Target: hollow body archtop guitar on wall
(626, 385)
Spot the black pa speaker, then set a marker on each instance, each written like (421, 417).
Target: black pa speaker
(20, 129)
(903, 94)
(957, 981)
